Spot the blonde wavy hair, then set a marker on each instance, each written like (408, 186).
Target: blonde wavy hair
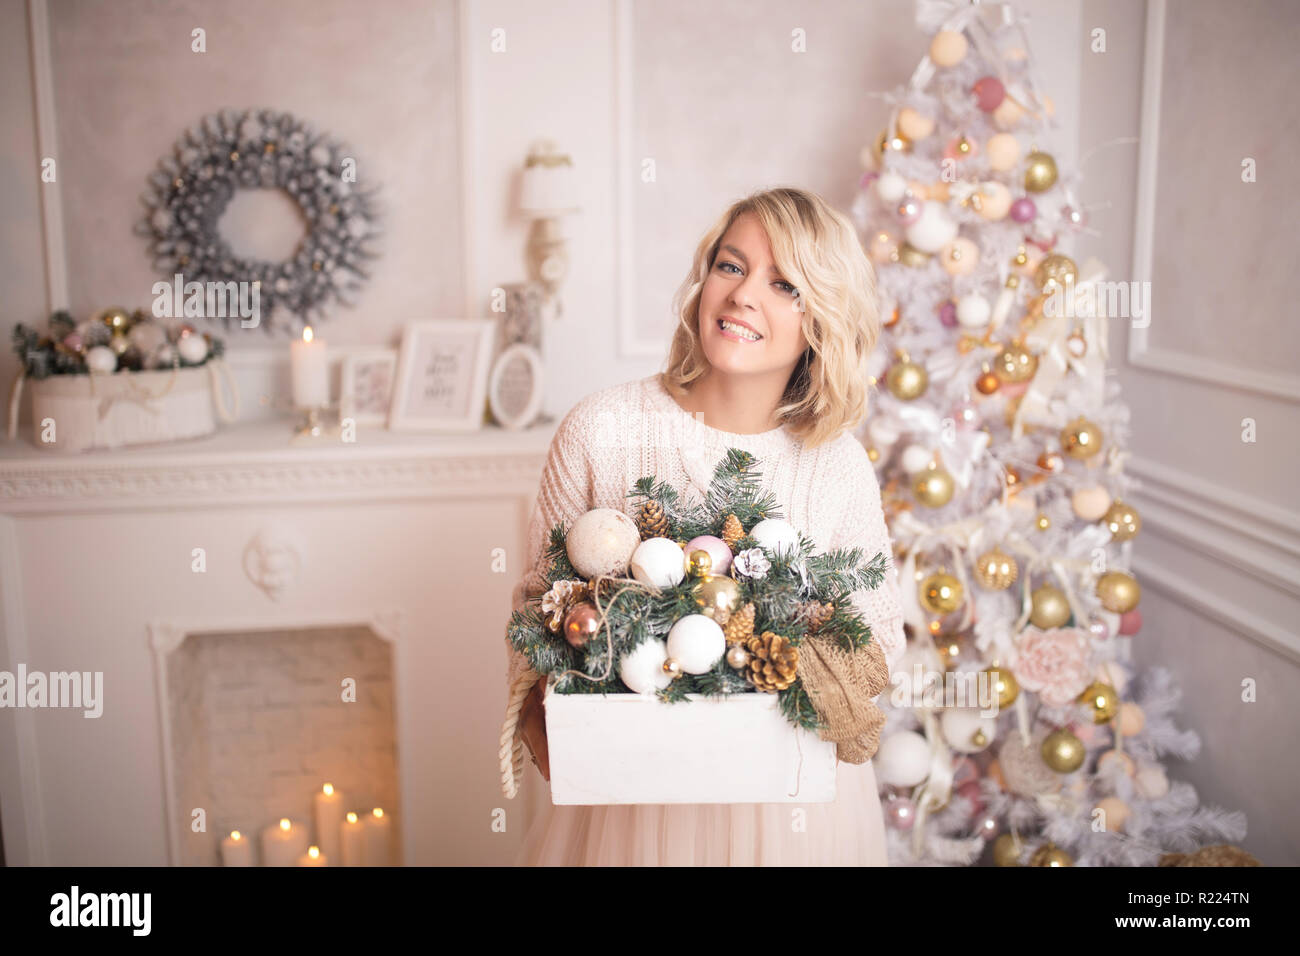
(818, 252)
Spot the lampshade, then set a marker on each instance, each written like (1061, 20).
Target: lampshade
(549, 187)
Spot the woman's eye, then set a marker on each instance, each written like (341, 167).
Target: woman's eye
(788, 287)
(723, 265)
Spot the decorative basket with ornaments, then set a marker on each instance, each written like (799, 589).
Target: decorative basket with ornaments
(120, 379)
(690, 654)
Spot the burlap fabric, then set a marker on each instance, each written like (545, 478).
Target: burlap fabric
(842, 685)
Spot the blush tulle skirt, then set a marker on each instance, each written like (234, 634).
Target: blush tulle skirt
(850, 831)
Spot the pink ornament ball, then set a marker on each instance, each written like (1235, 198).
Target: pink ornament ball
(908, 210)
(948, 314)
(900, 812)
(1023, 210)
(1130, 622)
(717, 549)
(989, 93)
(869, 177)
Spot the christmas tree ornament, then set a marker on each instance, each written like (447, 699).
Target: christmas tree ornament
(1118, 591)
(894, 316)
(752, 563)
(913, 124)
(815, 614)
(1049, 854)
(959, 257)
(1123, 520)
(1076, 217)
(916, 458)
(1013, 481)
(1114, 674)
(1015, 364)
(1022, 768)
(581, 623)
(989, 93)
(1040, 171)
(908, 209)
(1042, 522)
(933, 229)
(883, 248)
(903, 759)
(967, 729)
(740, 625)
(933, 487)
(947, 48)
(719, 553)
(732, 532)
(1130, 622)
(1130, 720)
(1055, 272)
(897, 143)
(696, 643)
(1081, 438)
(1115, 813)
(642, 670)
(116, 318)
(907, 380)
(673, 668)
(1023, 211)
(737, 657)
(1003, 683)
(987, 383)
(962, 147)
(101, 358)
(658, 562)
(1007, 850)
(912, 257)
(699, 563)
(891, 187)
(940, 593)
(1116, 758)
(900, 812)
(873, 453)
(1076, 344)
(1063, 751)
(973, 311)
(773, 663)
(119, 344)
(1090, 503)
(601, 542)
(948, 314)
(996, 570)
(776, 535)
(1049, 608)
(1101, 700)
(651, 521)
(718, 596)
(1050, 463)
(995, 201)
(1008, 114)
(1002, 152)
(1151, 781)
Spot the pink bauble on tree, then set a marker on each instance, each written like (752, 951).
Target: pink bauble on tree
(989, 93)
(1130, 622)
(718, 551)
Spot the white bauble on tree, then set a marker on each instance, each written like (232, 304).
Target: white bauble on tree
(602, 542)
(916, 458)
(967, 729)
(659, 562)
(891, 187)
(643, 669)
(973, 311)
(934, 230)
(1151, 781)
(883, 432)
(903, 759)
(776, 535)
(697, 643)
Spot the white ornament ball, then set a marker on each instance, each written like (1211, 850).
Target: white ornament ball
(963, 727)
(883, 432)
(934, 230)
(147, 336)
(697, 643)
(659, 562)
(1091, 504)
(643, 669)
(1113, 673)
(973, 311)
(776, 535)
(602, 542)
(916, 458)
(101, 358)
(903, 759)
(1151, 782)
(890, 187)
(193, 348)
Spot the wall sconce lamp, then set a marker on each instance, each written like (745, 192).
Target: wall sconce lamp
(549, 194)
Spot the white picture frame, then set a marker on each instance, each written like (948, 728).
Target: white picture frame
(367, 384)
(516, 386)
(442, 375)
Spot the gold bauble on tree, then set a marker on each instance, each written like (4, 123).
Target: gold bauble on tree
(718, 596)
(906, 379)
(699, 563)
(1049, 854)
(933, 486)
(1004, 684)
(996, 570)
(1123, 520)
(1006, 850)
(1055, 270)
(1062, 751)
(1081, 438)
(1040, 171)
(1049, 607)
(940, 593)
(1119, 591)
(1102, 701)
(117, 319)
(898, 142)
(1015, 363)
(911, 256)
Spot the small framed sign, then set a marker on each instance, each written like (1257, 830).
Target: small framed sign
(366, 385)
(515, 388)
(442, 375)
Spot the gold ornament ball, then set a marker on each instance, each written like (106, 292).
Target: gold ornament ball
(1004, 683)
(699, 563)
(933, 486)
(1015, 364)
(1063, 752)
(1101, 699)
(737, 657)
(1040, 171)
(1006, 850)
(941, 593)
(1081, 438)
(1055, 270)
(996, 570)
(1049, 607)
(911, 256)
(581, 623)
(1049, 854)
(116, 319)
(119, 343)
(907, 380)
(1123, 520)
(898, 143)
(1043, 522)
(718, 597)
(1119, 591)
(673, 668)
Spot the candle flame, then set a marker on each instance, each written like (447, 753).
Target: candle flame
(235, 835)
(377, 812)
(306, 334)
(352, 817)
(329, 789)
(285, 824)
(313, 852)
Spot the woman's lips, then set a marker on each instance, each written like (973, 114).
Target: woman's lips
(727, 333)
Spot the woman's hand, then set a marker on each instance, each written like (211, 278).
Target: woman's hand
(532, 718)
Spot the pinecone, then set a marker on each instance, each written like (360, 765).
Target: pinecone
(816, 614)
(651, 521)
(740, 626)
(732, 531)
(773, 663)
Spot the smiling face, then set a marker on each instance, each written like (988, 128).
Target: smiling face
(745, 287)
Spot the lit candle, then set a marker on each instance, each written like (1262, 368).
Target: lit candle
(313, 857)
(309, 367)
(379, 832)
(329, 818)
(283, 843)
(352, 841)
(236, 851)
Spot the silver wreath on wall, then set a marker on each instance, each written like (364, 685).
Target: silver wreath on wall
(263, 149)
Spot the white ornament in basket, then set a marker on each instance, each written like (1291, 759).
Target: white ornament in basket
(113, 409)
(634, 748)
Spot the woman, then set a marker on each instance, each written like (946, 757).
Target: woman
(776, 321)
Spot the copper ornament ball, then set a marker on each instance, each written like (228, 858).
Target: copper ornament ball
(581, 624)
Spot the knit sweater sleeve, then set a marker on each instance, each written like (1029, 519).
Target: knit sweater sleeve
(564, 493)
(864, 527)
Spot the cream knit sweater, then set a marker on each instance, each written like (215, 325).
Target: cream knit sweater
(625, 432)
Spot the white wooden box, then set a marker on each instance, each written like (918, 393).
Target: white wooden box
(626, 748)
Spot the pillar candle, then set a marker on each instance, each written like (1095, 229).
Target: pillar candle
(352, 841)
(329, 820)
(379, 832)
(309, 368)
(313, 857)
(236, 850)
(283, 843)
